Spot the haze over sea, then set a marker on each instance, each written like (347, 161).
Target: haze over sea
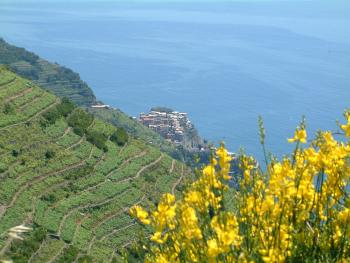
(222, 62)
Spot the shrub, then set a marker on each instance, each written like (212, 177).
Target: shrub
(49, 154)
(98, 139)
(8, 109)
(51, 115)
(297, 210)
(15, 153)
(80, 120)
(69, 254)
(65, 107)
(21, 251)
(51, 198)
(120, 137)
(61, 110)
(3, 167)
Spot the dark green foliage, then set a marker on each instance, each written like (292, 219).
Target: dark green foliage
(79, 131)
(49, 154)
(98, 139)
(79, 172)
(68, 255)
(51, 198)
(136, 253)
(49, 179)
(65, 107)
(61, 110)
(3, 167)
(80, 121)
(58, 79)
(85, 259)
(8, 109)
(51, 116)
(162, 109)
(21, 251)
(15, 153)
(120, 137)
(150, 178)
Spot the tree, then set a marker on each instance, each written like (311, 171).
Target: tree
(120, 137)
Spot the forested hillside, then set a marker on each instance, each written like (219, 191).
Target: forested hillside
(63, 82)
(60, 80)
(68, 176)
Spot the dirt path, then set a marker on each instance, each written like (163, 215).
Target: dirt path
(18, 95)
(178, 181)
(20, 108)
(31, 118)
(37, 180)
(123, 148)
(172, 166)
(142, 169)
(118, 230)
(112, 172)
(121, 211)
(58, 254)
(2, 85)
(66, 131)
(63, 220)
(76, 144)
(86, 206)
(37, 251)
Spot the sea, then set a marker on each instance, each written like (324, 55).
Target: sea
(225, 63)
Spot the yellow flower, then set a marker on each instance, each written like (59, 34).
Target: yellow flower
(189, 223)
(299, 135)
(299, 205)
(346, 127)
(140, 214)
(213, 249)
(157, 237)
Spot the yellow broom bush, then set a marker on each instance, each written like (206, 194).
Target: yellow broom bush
(296, 210)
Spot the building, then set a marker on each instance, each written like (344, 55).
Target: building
(171, 125)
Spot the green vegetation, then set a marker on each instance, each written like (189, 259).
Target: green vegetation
(80, 121)
(120, 137)
(65, 83)
(58, 79)
(65, 184)
(162, 109)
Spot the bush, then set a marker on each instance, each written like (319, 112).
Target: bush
(3, 167)
(80, 120)
(51, 116)
(21, 251)
(49, 154)
(65, 107)
(297, 210)
(69, 254)
(98, 139)
(61, 110)
(15, 153)
(51, 198)
(8, 109)
(120, 137)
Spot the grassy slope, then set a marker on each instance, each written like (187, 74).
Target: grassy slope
(58, 79)
(81, 193)
(65, 83)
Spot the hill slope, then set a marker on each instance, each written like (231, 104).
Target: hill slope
(73, 192)
(65, 83)
(58, 79)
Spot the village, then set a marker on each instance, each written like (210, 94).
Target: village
(171, 125)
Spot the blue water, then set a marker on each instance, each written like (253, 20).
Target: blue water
(222, 62)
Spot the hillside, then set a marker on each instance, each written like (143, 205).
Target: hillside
(63, 82)
(73, 190)
(56, 78)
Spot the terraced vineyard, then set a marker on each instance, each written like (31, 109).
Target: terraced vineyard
(74, 193)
